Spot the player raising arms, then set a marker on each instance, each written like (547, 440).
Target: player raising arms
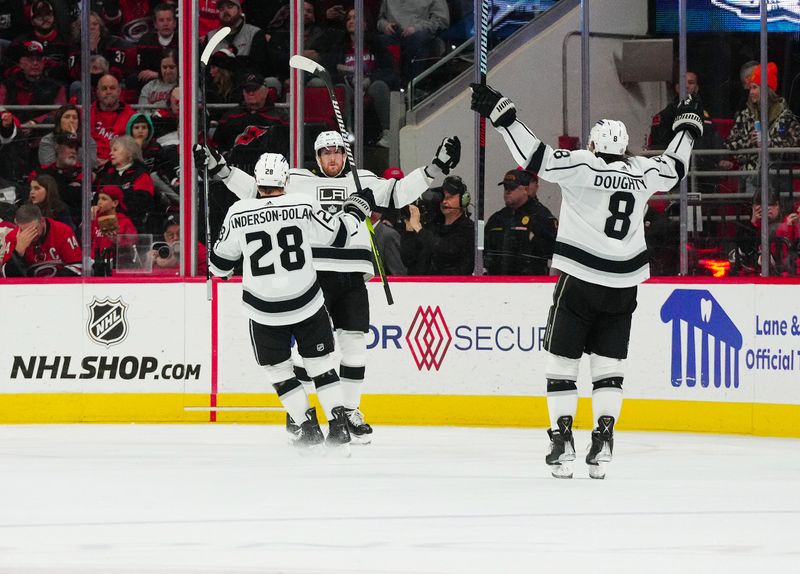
(342, 272)
(601, 253)
(272, 233)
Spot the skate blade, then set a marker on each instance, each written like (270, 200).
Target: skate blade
(360, 440)
(561, 470)
(597, 471)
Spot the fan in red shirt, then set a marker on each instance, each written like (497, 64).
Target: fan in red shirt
(41, 247)
(110, 228)
(109, 116)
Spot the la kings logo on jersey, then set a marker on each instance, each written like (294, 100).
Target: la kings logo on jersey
(108, 321)
(331, 198)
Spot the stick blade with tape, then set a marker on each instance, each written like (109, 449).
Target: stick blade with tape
(213, 42)
(305, 64)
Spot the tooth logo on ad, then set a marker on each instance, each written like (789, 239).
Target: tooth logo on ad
(702, 314)
(749, 9)
(108, 323)
(428, 337)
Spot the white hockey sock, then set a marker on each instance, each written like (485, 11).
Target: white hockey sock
(329, 391)
(351, 392)
(293, 398)
(606, 401)
(353, 347)
(562, 400)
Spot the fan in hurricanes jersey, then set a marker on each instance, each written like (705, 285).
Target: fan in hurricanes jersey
(342, 272)
(601, 253)
(272, 233)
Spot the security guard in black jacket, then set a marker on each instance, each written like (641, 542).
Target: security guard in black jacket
(520, 238)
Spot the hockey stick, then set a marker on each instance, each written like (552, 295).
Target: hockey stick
(482, 49)
(211, 47)
(313, 68)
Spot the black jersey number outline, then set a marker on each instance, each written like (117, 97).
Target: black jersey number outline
(614, 202)
(292, 256)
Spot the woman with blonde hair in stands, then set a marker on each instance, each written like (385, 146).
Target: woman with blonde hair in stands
(44, 194)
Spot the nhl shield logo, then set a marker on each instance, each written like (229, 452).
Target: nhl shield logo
(108, 321)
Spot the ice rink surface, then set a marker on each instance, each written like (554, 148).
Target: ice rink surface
(117, 499)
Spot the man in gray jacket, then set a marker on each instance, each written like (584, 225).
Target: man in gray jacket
(413, 25)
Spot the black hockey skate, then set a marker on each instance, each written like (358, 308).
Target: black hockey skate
(310, 437)
(338, 434)
(360, 431)
(602, 447)
(292, 428)
(562, 449)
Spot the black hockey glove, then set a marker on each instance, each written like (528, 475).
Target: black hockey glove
(490, 103)
(212, 159)
(448, 154)
(689, 116)
(360, 204)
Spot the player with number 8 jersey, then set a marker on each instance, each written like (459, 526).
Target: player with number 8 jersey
(602, 255)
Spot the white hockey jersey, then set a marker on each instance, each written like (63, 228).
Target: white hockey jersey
(601, 225)
(274, 235)
(328, 193)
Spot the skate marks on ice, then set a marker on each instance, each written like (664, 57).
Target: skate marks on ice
(236, 498)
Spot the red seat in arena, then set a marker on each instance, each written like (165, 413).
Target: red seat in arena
(318, 108)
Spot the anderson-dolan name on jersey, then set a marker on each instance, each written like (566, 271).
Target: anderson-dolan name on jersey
(267, 215)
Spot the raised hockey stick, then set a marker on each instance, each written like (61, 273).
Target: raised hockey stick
(211, 47)
(482, 49)
(313, 68)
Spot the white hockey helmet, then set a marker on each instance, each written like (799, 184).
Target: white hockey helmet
(609, 136)
(328, 139)
(272, 170)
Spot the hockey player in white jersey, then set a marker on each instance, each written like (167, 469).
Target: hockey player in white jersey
(272, 233)
(601, 253)
(342, 273)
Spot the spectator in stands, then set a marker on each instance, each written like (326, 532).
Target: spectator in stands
(783, 129)
(128, 19)
(413, 25)
(224, 85)
(156, 92)
(13, 21)
(745, 73)
(151, 46)
(44, 194)
(120, 55)
(67, 120)
(109, 116)
(127, 170)
(98, 67)
(445, 246)
(387, 237)
(30, 86)
(9, 127)
(520, 238)
(56, 47)
(379, 74)
(661, 132)
(40, 247)
(248, 41)
(162, 164)
(255, 110)
(67, 172)
(789, 231)
(209, 16)
(170, 265)
(746, 258)
(165, 120)
(108, 224)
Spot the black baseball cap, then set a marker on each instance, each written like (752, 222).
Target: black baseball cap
(517, 177)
